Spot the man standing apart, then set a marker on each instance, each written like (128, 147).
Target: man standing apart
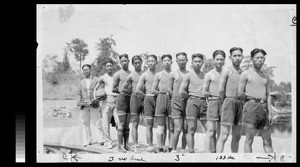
(253, 86)
(210, 88)
(109, 103)
(178, 103)
(146, 80)
(85, 100)
(136, 100)
(163, 102)
(123, 102)
(232, 106)
(192, 88)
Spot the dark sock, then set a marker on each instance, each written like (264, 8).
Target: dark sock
(126, 136)
(120, 136)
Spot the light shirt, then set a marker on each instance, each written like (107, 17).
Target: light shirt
(88, 82)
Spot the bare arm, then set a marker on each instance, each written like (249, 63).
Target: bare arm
(222, 84)
(242, 86)
(116, 80)
(128, 81)
(171, 82)
(183, 90)
(155, 84)
(141, 83)
(206, 84)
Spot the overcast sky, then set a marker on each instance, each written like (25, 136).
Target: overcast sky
(160, 29)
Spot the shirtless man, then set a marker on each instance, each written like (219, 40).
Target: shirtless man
(232, 106)
(135, 100)
(253, 86)
(146, 80)
(109, 103)
(163, 102)
(123, 103)
(210, 90)
(178, 103)
(192, 89)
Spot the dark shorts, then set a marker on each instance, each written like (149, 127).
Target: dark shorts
(214, 110)
(136, 104)
(163, 105)
(232, 111)
(256, 115)
(196, 108)
(149, 106)
(123, 104)
(178, 105)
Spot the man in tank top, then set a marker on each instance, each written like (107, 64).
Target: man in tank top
(163, 102)
(136, 100)
(231, 109)
(109, 103)
(192, 88)
(123, 103)
(253, 86)
(210, 90)
(146, 81)
(178, 103)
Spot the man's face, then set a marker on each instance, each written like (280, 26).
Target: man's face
(219, 61)
(167, 63)
(137, 64)
(181, 61)
(236, 57)
(197, 63)
(124, 62)
(258, 60)
(151, 63)
(86, 71)
(108, 67)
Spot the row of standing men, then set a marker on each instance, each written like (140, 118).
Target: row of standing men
(223, 98)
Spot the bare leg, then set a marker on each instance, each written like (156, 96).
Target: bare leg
(224, 132)
(236, 136)
(210, 136)
(177, 131)
(192, 126)
(149, 131)
(161, 136)
(134, 129)
(250, 133)
(267, 141)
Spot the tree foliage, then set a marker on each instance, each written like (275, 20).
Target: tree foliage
(79, 48)
(106, 51)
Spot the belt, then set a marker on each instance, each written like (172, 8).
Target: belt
(163, 93)
(231, 97)
(150, 94)
(197, 97)
(213, 98)
(256, 100)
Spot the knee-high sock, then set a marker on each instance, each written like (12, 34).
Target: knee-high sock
(126, 137)
(120, 136)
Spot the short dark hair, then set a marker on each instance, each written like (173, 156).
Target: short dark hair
(219, 52)
(136, 57)
(181, 53)
(109, 61)
(166, 55)
(154, 56)
(123, 55)
(234, 49)
(87, 66)
(201, 56)
(256, 50)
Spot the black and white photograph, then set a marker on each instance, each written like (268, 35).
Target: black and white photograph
(166, 83)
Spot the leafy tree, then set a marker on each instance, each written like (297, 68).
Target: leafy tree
(78, 48)
(105, 48)
(66, 61)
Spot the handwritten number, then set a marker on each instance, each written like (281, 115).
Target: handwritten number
(177, 158)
